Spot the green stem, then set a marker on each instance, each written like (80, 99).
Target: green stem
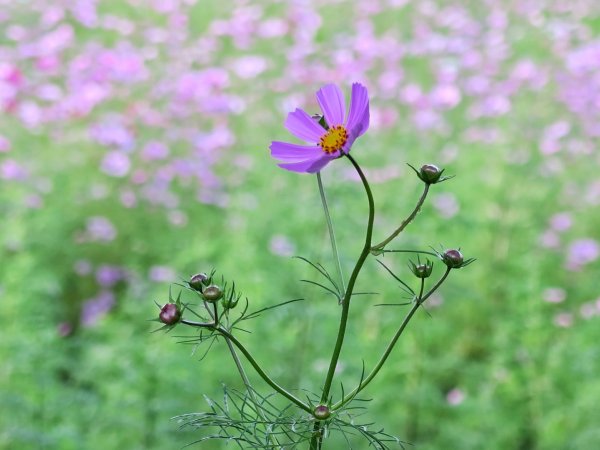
(377, 249)
(227, 335)
(348, 294)
(316, 441)
(262, 373)
(334, 250)
(250, 389)
(411, 251)
(418, 302)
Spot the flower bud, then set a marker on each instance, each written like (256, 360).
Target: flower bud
(230, 301)
(422, 270)
(321, 412)
(430, 174)
(170, 314)
(212, 293)
(453, 259)
(197, 281)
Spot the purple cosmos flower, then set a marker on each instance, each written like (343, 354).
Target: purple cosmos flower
(325, 144)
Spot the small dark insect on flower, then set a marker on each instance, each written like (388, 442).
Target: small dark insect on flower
(170, 314)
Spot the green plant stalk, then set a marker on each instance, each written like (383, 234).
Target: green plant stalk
(376, 249)
(420, 252)
(249, 388)
(418, 302)
(227, 335)
(317, 439)
(334, 250)
(348, 295)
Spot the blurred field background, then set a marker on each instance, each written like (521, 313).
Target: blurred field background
(134, 152)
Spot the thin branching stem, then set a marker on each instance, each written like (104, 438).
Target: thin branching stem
(334, 249)
(417, 303)
(317, 439)
(227, 335)
(379, 247)
(250, 389)
(262, 373)
(348, 294)
(420, 252)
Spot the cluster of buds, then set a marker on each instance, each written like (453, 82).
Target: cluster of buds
(452, 258)
(203, 284)
(212, 292)
(209, 291)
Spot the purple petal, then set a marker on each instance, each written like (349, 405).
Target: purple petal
(358, 116)
(285, 151)
(310, 166)
(331, 100)
(304, 127)
(351, 138)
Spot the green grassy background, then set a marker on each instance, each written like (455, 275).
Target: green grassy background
(528, 384)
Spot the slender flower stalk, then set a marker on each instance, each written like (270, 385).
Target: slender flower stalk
(348, 295)
(377, 249)
(334, 250)
(317, 439)
(227, 335)
(420, 252)
(250, 390)
(417, 303)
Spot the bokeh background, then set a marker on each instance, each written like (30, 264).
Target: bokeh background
(134, 142)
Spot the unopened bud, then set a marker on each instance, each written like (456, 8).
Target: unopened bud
(170, 314)
(321, 412)
(453, 259)
(197, 281)
(230, 302)
(212, 293)
(430, 174)
(422, 270)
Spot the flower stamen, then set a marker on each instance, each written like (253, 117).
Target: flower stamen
(334, 139)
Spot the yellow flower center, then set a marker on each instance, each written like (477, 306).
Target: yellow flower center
(334, 139)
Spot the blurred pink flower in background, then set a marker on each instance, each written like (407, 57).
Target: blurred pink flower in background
(554, 295)
(116, 164)
(12, 170)
(563, 320)
(455, 396)
(281, 245)
(561, 221)
(446, 204)
(82, 267)
(5, 145)
(107, 275)
(162, 274)
(582, 252)
(99, 228)
(96, 307)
